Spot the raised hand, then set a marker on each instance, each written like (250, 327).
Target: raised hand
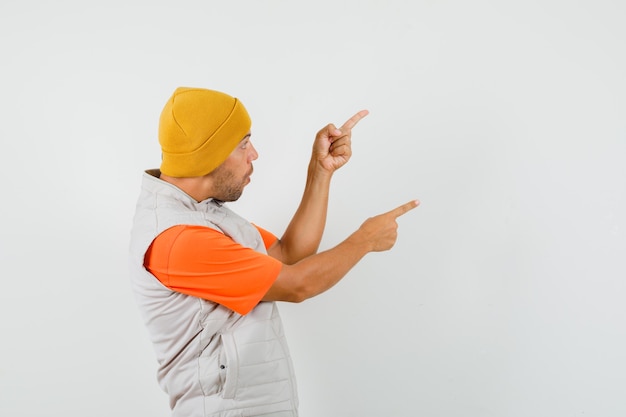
(333, 147)
(382, 231)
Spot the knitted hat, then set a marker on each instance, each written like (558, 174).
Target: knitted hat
(198, 129)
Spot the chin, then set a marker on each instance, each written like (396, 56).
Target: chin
(233, 196)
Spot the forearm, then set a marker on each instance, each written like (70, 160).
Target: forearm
(317, 273)
(331, 150)
(304, 232)
(320, 272)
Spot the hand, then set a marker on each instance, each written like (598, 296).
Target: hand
(333, 147)
(382, 230)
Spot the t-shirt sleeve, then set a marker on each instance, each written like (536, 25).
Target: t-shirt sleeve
(203, 262)
(268, 237)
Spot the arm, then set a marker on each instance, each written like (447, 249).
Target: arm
(331, 150)
(317, 273)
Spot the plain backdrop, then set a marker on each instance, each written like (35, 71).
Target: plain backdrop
(504, 295)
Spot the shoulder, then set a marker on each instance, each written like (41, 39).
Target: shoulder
(187, 231)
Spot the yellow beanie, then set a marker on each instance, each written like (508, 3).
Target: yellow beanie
(198, 129)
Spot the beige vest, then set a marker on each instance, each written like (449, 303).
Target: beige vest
(212, 361)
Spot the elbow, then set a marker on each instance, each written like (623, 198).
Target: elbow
(296, 300)
(295, 258)
(298, 295)
(293, 285)
(302, 290)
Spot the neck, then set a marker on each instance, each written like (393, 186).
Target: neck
(196, 187)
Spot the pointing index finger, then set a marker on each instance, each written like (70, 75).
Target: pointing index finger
(399, 211)
(354, 120)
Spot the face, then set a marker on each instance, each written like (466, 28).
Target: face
(233, 174)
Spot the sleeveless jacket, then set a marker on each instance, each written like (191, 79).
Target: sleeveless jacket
(212, 361)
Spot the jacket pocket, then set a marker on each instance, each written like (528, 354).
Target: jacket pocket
(229, 366)
(218, 367)
(209, 373)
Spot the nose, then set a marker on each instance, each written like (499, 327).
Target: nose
(253, 155)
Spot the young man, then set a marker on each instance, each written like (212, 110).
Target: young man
(206, 280)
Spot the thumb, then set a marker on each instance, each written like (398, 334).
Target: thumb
(330, 131)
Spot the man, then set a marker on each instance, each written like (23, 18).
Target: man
(206, 280)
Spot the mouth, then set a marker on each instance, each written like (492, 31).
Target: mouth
(248, 175)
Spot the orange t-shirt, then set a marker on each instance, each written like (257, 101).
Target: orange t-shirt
(203, 262)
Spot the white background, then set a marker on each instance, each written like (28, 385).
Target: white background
(504, 295)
